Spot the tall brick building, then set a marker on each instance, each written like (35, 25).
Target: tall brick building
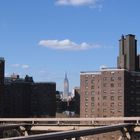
(113, 92)
(2, 69)
(102, 93)
(128, 58)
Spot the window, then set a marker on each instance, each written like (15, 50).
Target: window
(112, 91)
(119, 104)
(119, 91)
(104, 97)
(104, 104)
(86, 104)
(105, 84)
(112, 104)
(138, 110)
(92, 81)
(119, 84)
(132, 91)
(119, 111)
(132, 110)
(112, 111)
(92, 99)
(105, 78)
(92, 92)
(104, 91)
(112, 78)
(112, 85)
(92, 87)
(119, 78)
(86, 99)
(86, 109)
(86, 93)
(86, 81)
(92, 104)
(119, 97)
(138, 99)
(132, 99)
(112, 98)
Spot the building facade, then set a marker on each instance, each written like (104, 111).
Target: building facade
(2, 69)
(113, 92)
(76, 98)
(43, 99)
(25, 98)
(102, 93)
(22, 97)
(128, 57)
(17, 99)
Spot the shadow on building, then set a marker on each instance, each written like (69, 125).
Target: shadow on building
(25, 98)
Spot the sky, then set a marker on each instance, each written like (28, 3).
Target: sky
(48, 38)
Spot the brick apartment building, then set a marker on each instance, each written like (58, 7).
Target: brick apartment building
(24, 98)
(21, 97)
(113, 92)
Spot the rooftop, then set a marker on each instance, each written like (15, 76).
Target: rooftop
(2, 58)
(103, 69)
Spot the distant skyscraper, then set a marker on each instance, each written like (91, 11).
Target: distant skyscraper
(66, 88)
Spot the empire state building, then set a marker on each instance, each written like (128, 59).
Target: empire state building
(66, 88)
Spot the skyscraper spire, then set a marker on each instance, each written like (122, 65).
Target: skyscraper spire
(66, 76)
(66, 88)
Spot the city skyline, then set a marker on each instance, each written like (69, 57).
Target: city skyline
(48, 38)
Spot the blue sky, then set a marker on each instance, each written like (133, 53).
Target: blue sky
(46, 38)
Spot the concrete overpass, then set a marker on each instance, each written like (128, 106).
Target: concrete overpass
(73, 127)
(76, 133)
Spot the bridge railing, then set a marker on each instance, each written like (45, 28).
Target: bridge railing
(72, 120)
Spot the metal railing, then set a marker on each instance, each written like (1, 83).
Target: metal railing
(73, 133)
(108, 119)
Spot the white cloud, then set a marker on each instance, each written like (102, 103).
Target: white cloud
(43, 71)
(25, 66)
(67, 45)
(15, 65)
(7, 74)
(76, 2)
(20, 66)
(103, 67)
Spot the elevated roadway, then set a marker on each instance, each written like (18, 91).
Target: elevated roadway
(72, 127)
(74, 133)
